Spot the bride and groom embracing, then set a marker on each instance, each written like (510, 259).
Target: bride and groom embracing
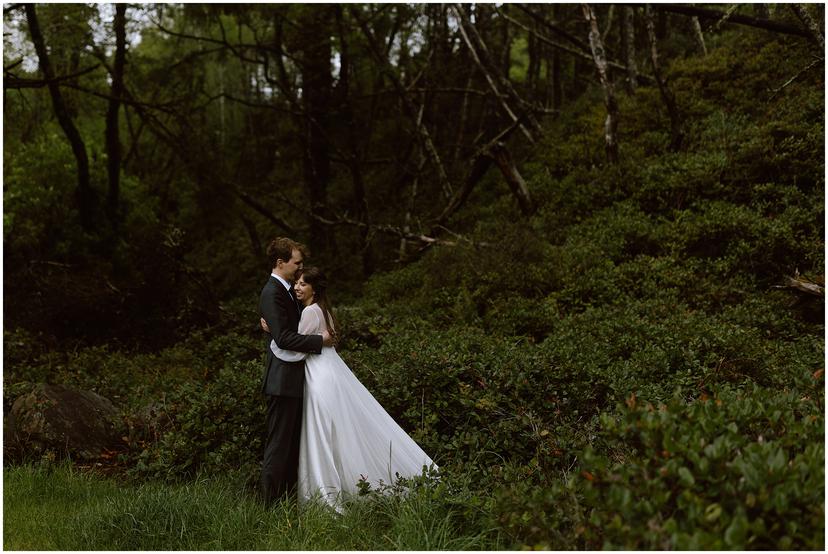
(325, 431)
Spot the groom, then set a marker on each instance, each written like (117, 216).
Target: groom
(284, 382)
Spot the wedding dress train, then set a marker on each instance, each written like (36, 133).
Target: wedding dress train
(346, 433)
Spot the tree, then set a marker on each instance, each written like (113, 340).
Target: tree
(113, 139)
(599, 55)
(84, 194)
(676, 134)
(801, 12)
(628, 45)
(314, 42)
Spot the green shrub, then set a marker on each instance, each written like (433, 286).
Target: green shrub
(736, 469)
(207, 426)
(478, 400)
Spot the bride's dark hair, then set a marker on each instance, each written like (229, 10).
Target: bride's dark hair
(316, 279)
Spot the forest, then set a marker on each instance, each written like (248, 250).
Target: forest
(576, 251)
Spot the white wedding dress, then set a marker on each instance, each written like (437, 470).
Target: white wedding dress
(346, 433)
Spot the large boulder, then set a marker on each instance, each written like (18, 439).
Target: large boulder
(71, 422)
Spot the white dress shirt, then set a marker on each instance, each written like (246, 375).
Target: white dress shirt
(285, 355)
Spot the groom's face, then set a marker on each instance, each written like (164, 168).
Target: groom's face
(293, 266)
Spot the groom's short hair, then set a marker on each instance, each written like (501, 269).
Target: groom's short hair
(282, 248)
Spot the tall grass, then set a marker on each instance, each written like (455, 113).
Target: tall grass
(60, 508)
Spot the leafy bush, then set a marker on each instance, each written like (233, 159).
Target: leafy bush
(736, 469)
(210, 426)
(481, 401)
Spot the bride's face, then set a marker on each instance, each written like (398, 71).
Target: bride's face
(304, 292)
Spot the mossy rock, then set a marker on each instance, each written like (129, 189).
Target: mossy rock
(55, 418)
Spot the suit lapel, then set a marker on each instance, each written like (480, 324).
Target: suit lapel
(295, 301)
(291, 298)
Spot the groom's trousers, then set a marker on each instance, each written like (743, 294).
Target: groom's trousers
(280, 468)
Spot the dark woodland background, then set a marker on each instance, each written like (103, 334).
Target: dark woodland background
(577, 250)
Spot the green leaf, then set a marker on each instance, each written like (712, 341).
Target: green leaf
(712, 512)
(736, 532)
(776, 460)
(685, 477)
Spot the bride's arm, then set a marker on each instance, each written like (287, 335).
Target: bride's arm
(309, 324)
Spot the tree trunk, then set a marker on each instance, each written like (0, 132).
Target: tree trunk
(666, 94)
(628, 40)
(517, 185)
(598, 54)
(84, 193)
(355, 162)
(556, 81)
(695, 24)
(113, 140)
(506, 52)
(608, 28)
(317, 85)
(412, 200)
(480, 163)
(534, 50)
(556, 84)
(461, 126)
(255, 241)
(810, 24)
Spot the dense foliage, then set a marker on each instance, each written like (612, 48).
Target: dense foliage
(620, 369)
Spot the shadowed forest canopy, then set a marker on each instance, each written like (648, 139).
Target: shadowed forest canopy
(152, 151)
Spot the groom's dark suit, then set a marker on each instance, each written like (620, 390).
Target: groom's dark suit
(284, 384)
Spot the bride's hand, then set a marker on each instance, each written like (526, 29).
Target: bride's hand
(263, 323)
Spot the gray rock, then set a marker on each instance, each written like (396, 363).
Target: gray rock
(79, 423)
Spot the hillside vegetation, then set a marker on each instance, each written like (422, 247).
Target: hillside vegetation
(625, 368)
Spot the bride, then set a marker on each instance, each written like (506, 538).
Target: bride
(346, 434)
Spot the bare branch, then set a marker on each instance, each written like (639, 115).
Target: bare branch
(513, 178)
(164, 106)
(816, 62)
(11, 81)
(481, 161)
(554, 28)
(13, 65)
(496, 81)
(380, 228)
(580, 53)
(253, 203)
(804, 285)
(714, 15)
(408, 106)
(251, 104)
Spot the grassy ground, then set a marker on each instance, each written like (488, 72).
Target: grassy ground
(60, 508)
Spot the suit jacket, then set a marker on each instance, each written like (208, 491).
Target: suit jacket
(281, 313)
